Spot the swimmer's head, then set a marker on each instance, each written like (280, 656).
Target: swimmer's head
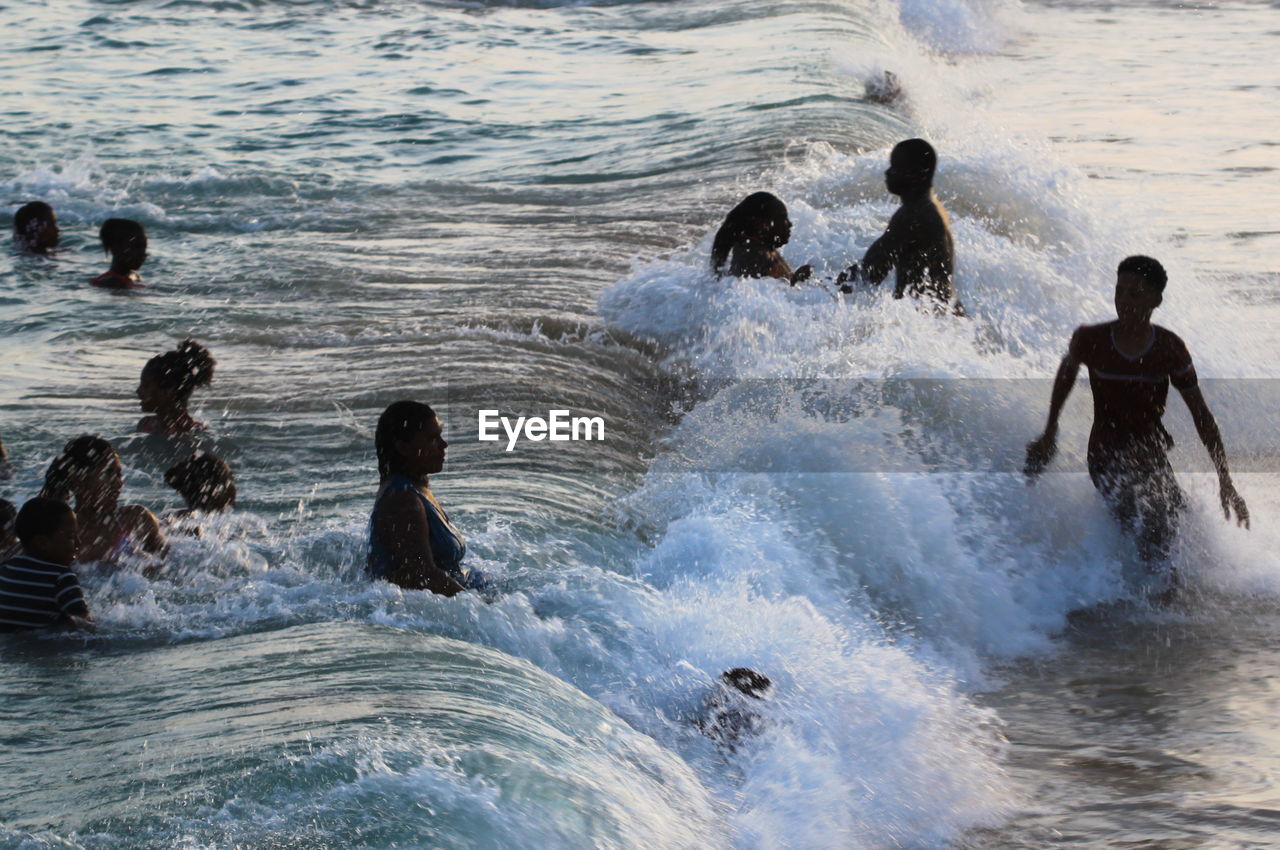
(88, 469)
(1140, 283)
(126, 242)
(747, 681)
(1152, 273)
(205, 482)
(35, 228)
(759, 218)
(169, 379)
(409, 440)
(911, 167)
(48, 530)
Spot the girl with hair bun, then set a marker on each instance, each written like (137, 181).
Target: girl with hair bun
(165, 389)
(89, 471)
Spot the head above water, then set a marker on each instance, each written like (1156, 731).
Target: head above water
(205, 482)
(911, 167)
(409, 441)
(48, 530)
(747, 681)
(1147, 268)
(169, 379)
(35, 228)
(126, 242)
(759, 218)
(1140, 283)
(88, 469)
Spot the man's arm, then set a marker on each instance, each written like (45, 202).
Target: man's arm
(1207, 428)
(1041, 450)
(880, 257)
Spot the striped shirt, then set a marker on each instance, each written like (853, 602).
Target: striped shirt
(36, 593)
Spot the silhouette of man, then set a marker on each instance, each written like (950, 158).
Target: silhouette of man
(917, 241)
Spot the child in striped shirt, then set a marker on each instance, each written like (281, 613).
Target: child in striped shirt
(38, 588)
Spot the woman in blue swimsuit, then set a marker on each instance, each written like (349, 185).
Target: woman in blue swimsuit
(411, 541)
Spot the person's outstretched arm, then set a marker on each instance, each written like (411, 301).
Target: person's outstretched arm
(1041, 450)
(1207, 428)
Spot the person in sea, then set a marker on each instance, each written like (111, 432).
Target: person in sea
(6, 468)
(1131, 364)
(412, 543)
(126, 242)
(166, 385)
(730, 715)
(89, 470)
(747, 243)
(9, 544)
(38, 588)
(917, 241)
(35, 228)
(884, 89)
(205, 482)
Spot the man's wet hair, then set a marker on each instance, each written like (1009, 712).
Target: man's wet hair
(747, 681)
(1146, 268)
(118, 232)
(914, 155)
(40, 517)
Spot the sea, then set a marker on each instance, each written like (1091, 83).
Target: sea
(509, 206)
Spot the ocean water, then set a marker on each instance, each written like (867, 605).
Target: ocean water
(510, 204)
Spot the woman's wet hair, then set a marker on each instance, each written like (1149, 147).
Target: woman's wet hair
(40, 517)
(1146, 268)
(119, 232)
(30, 218)
(742, 223)
(181, 371)
(205, 482)
(79, 457)
(400, 421)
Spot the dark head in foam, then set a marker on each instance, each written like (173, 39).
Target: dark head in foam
(911, 167)
(205, 482)
(35, 228)
(760, 218)
(747, 681)
(126, 242)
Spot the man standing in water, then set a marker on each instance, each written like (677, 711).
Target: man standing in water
(918, 239)
(1131, 364)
